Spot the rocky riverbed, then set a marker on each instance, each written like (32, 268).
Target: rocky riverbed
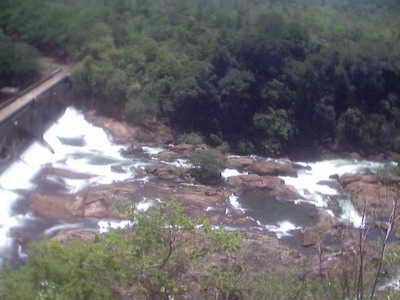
(97, 170)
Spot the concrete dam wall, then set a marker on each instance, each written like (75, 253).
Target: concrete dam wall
(27, 124)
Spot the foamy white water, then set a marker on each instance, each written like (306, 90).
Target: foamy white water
(152, 150)
(226, 173)
(308, 184)
(311, 184)
(78, 146)
(283, 229)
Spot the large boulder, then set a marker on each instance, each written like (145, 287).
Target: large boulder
(369, 191)
(96, 202)
(271, 186)
(273, 168)
(168, 172)
(239, 162)
(201, 196)
(151, 132)
(168, 155)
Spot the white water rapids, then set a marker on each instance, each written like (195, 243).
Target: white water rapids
(311, 184)
(77, 146)
(81, 147)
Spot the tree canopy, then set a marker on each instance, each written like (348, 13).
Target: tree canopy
(265, 74)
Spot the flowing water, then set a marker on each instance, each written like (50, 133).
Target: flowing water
(78, 146)
(315, 186)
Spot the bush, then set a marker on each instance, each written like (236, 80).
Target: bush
(145, 261)
(192, 138)
(208, 166)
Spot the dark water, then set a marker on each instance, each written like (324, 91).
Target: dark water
(269, 210)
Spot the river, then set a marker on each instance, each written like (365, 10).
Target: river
(76, 145)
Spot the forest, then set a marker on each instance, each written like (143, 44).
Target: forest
(260, 76)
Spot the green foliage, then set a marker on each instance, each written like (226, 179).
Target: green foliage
(275, 129)
(265, 73)
(145, 260)
(208, 165)
(349, 126)
(192, 138)
(18, 61)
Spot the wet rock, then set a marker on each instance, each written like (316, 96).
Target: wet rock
(271, 186)
(332, 184)
(273, 168)
(301, 167)
(369, 191)
(316, 234)
(334, 177)
(168, 172)
(367, 179)
(134, 149)
(239, 162)
(50, 171)
(96, 202)
(53, 206)
(201, 196)
(168, 155)
(152, 131)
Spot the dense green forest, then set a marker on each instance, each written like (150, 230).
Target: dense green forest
(18, 62)
(263, 76)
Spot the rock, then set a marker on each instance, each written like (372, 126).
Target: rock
(134, 149)
(151, 132)
(54, 206)
(50, 171)
(368, 179)
(315, 234)
(368, 191)
(271, 186)
(96, 202)
(101, 201)
(334, 176)
(200, 196)
(168, 155)
(72, 235)
(168, 172)
(332, 184)
(186, 150)
(273, 168)
(301, 167)
(236, 162)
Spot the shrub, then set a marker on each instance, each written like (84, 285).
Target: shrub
(192, 138)
(208, 166)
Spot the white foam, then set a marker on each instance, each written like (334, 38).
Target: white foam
(95, 145)
(232, 172)
(152, 150)
(234, 201)
(308, 184)
(145, 204)
(180, 163)
(106, 226)
(282, 229)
